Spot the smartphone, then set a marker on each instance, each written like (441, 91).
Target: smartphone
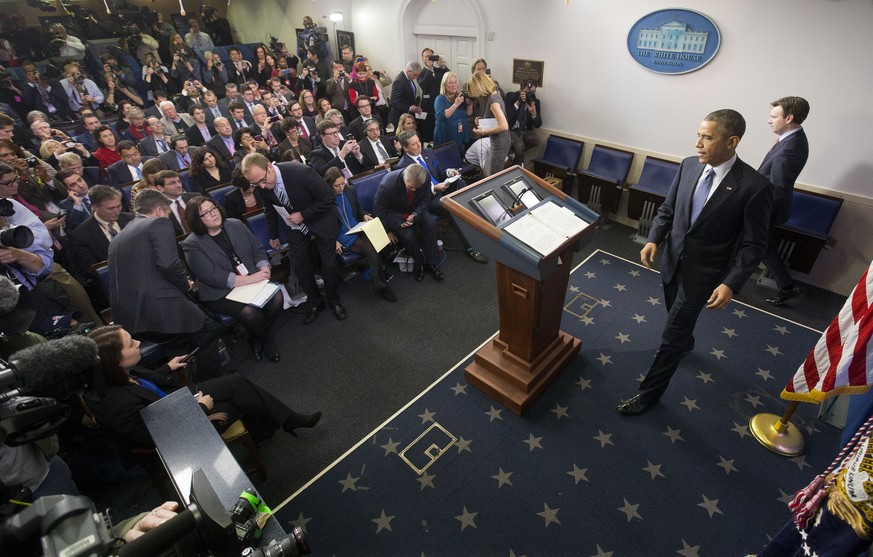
(190, 355)
(487, 71)
(434, 57)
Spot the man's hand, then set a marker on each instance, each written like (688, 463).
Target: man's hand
(647, 255)
(720, 297)
(177, 363)
(339, 248)
(348, 147)
(152, 520)
(295, 218)
(275, 244)
(205, 400)
(77, 199)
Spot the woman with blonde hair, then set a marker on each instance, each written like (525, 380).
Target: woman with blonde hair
(482, 87)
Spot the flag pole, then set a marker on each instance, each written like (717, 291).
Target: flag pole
(778, 434)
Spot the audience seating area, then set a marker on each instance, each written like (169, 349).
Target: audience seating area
(807, 230)
(561, 160)
(649, 192)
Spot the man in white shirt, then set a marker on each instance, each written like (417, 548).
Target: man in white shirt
(196, 38)
(72, 46)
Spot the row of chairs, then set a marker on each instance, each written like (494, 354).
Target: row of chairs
(603, 182)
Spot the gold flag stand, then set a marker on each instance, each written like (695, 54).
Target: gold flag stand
(778, 434)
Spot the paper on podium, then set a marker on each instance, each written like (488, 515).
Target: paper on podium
(546, 227)
(256, 294)
(375, 232)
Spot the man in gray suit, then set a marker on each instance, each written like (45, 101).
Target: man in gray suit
(149, 286)
(714, 228)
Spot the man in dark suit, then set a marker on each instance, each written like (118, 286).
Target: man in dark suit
(782, 166)
(524, 117)
(365, 113)
(308, 130)
(78, 204)
(178, 158)
(222, 141)
(91, 238)
(374, 155)
(401, 203)
(415, 154)
(212, 109)
(238, 117)
(312, 212)
(129, 168)
(90, 122)
(430, 78)
(149, 287)
(346, 155)
(405, 93)
(714, 224)
(201, 131)
(156, 143)
(169, 183)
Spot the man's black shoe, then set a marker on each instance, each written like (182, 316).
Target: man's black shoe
(338, 310)
(312, 313)
(784, 295)
(419, 275)
(434, 271)
(388, 294)
(635, 405)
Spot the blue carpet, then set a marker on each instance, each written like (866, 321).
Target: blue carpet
(572, 477)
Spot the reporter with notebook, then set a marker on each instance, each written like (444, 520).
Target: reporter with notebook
(223, 254)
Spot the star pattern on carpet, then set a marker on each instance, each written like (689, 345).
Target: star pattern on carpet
(301, 522)
(383, 522)
(782, 330)
(784, 497)
(754, 400)
(653, 469)
(604, 359)
(731, 333)
(623, 338)
(390, 447)
(426, 480)
(512, 554)
(463, 444)
(688, 551)
(590, 275)
(606, 303)
(641, 377)
(705, 377)
(634, 273)
(741, 429)
(550, 515)
(620, 287)
(639, 318)
(533, 442)
(426, 416)
(601, 553)
(349, 483)
(574, 289)
(587, 320)
(800, 461)
(502, 478)
(467, 519)
(560, 411)
(604, 438)
(654, 301)
(728, 465)
(711, 505)
(604, 261)
(494, 414)
(740, 313)
(459, 389)
(579, 474)
(773, 350)
(689, 403)
(764, 373)
(673, 434)
(719, 354)
(584, 383)
(630, 510)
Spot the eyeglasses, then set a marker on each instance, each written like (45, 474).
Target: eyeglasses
(336, 133)
(11, 182)
(210, 212)
(372, 130)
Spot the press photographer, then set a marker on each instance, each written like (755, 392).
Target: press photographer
(524, 117)
(217, 26)
(136, 43)
(64, 44)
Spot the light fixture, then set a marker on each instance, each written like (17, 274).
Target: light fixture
(181, 9)
(336, 16)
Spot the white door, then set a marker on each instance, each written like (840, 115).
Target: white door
(459, 53)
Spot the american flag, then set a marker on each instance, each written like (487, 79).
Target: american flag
(842, 357)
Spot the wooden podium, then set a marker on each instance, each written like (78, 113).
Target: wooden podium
(530, 350)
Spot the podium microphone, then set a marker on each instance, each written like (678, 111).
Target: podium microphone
(516, 202)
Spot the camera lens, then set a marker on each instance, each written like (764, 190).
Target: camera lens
(19, 237)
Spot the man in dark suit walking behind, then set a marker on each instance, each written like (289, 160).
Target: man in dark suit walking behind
(312, 212)
(717, 214)
(782, 166)
(148, 286)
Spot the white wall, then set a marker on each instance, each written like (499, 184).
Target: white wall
(594, 90)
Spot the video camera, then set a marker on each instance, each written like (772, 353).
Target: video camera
(275, 45)
(69, 525)
(131, 37)
(5, 79)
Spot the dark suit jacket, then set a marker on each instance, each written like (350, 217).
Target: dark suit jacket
(119, 174)
(725, 244)
(247, 119)
(177, 226)
(195, 137)
(512, 112)
(356, 126)
(235, 205)
(148, 282)
(87, 140)
(148, 146)
(782, 166)
(369, 153)
(210, 117)
(218, 144)
(321, 159)
(90, 245)
(429, 159)
(309, 123)
(392, 201)
(31, 98)
(204, 180)
(170, 161)
(402, 97)
(211, 266)
(74, 217)
(307, 193)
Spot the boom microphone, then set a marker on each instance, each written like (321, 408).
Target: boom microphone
(53, 362)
